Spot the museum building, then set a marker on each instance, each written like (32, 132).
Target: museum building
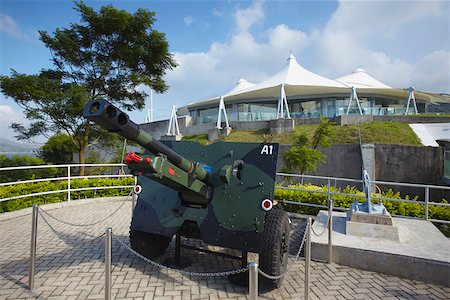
(295, 92)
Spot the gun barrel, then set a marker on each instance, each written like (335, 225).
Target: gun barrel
(113, 119)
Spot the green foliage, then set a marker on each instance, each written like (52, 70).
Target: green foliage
(305, 156)
(324, 134)
(24, 160)
(200, 138)
(108, 54)
(302, 158)
(374, 133)
(318, 195)
(59, 149)
(23, 189)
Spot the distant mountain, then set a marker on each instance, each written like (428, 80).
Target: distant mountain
(7, 146)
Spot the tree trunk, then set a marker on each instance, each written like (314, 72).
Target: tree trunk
(82, 159)
(83, 148)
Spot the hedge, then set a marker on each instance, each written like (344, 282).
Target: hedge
(30, 188)
(394, 207)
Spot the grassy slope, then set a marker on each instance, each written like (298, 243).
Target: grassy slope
(375, 133)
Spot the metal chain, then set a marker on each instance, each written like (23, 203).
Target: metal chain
(59, 234)
(292, 262)
(325, 227)
(161, 266)
(81, 225)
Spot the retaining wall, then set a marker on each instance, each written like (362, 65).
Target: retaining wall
(409, 164)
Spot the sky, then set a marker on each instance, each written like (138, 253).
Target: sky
(215, 43)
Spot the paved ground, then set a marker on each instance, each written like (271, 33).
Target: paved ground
(70, 266)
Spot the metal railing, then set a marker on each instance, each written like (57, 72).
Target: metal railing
(69, 178)
(329, 180)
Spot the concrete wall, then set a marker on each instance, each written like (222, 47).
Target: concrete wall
(412, 119)
(341, 161)
(410, 164)
(394, 163)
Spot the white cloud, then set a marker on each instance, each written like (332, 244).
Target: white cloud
(391, 41)
(395, 42)
(431, 73)
(250, 16)
(217, 13)
(188, 20)
(9, 26)
(9, 115)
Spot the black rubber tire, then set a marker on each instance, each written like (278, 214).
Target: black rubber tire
(273, 257)
(148, 244)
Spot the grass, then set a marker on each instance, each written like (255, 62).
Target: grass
(371, 133)
(201, 138)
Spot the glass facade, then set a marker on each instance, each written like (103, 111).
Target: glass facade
(255, 112)
(307, 108)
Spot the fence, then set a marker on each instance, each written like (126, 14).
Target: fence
(322, 180)
(252, 267)
(68, 168)
(333, 181)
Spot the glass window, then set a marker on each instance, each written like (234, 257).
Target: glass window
(256, 111)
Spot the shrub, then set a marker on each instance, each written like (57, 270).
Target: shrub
(30, 188)
(394, 207)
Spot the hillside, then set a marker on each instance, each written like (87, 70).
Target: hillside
(7, 146)
(372, 133)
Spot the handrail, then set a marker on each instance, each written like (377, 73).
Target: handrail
(68, 190)
(67, 178)
(60, 166)
(426, 201)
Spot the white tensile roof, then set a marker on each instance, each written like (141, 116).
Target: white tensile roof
(241, 85)
(360, 79)
(296, 81)
(294, 74)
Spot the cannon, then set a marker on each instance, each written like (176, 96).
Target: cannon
(222, 193)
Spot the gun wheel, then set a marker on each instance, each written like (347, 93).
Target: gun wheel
(273, 256)
(148, 244)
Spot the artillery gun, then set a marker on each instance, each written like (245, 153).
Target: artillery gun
(221, 193)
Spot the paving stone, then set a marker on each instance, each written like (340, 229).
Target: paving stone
(70, 265)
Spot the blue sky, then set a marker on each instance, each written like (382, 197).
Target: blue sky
(216, 43)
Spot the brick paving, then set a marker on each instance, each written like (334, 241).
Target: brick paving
(70, 266)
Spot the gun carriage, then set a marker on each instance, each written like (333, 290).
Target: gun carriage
(221, 193)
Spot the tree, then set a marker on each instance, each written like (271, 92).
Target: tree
(305, 155)
(58, 149)
(24, 160)
(109, 54)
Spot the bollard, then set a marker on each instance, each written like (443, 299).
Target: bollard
(68, 185)
(133, 202)
(108, 263)
(307, 257)
(34, 223)
(253, 280)
(133, 196)
(330, 232)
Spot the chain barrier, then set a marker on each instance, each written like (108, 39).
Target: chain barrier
(41, 211)
(292, 262)
(324, 228)
(94, 238)
(161, 266)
